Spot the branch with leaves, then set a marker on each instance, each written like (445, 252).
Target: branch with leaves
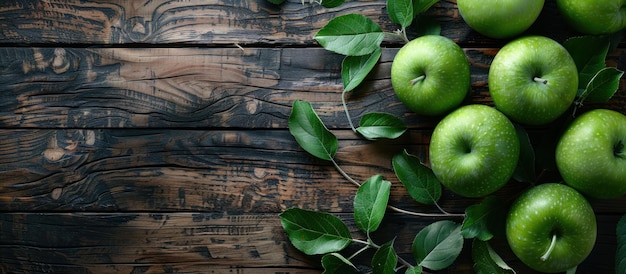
(438, 244)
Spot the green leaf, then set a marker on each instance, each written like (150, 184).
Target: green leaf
(337, 263)
(370, 203)
(419, 180)
(377, 125)
(525, 169)
(482, 219)
(385, 259)
(438, 245)
(426, 25)
(421, 6)
(487, 261)
(315, 232)
(310, 133)
(620, 255)
(354, 69)
(603, 85)
(589, 54)
(331, 3)
(413, 270)
(276, 2)
(351, 34)
(400, 12)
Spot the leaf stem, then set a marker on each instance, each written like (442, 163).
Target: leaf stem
(344, 174)
(345, 108)
(396, 209)
(419, 214)
(545, 256)
(366, 247)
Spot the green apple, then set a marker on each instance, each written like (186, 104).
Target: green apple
(551, 228)
(500, 18)
(594, 16)
(590, 155)
(533, 80)
(474, 150)
(430, 75)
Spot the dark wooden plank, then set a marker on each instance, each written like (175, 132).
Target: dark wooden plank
(217, 22)
(200, 170)
(204, 242)
(202, 87)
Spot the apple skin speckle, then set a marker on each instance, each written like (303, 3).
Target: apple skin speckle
(546, 210)
(474, 150)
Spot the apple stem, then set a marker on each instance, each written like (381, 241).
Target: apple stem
(549, 251)
(540, 80)
(420, 78)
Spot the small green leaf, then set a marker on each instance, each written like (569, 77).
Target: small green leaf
(337, 263)
(421, 6)
(427, 26)
(438, 245)
(378, 125)
(419, 180)
(331, 3)
(315, 232)
(385, 259)
(603, 85)
(310, 133)
(487, 261)
(276, 2)
(589, 54)
(413, 270)
(481, 219)
(351, 34)
(354, 69)
(525, 170)
(400, 12)
(370, 203)
(620, 255)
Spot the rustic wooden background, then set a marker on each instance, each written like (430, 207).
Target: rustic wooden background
(151, 136)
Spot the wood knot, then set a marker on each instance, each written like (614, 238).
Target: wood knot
(53, 154)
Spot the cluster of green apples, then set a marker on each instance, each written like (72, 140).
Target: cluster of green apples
(533, 80)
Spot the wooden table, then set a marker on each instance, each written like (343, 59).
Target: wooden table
(151, 136)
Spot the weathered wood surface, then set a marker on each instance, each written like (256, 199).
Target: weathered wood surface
(137, 137)
(201, 242)
(202, 87)
(215, 22)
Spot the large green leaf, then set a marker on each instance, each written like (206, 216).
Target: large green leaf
(370, 203)
(482, 219)
(315, 232)
(354, 69)
(376, 125)
(420, 6)
(310, 133)
(620, 255)
(487, 261)
(385, 259)
(331, 3)
(603, 85)
(438, 245)
(350, 34)
(419, 180)
(400, 12)
(337, 263)
(589, 54)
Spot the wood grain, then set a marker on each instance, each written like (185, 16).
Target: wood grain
(203, 87)
(203, 242)
(151, 136)
(217, 22)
